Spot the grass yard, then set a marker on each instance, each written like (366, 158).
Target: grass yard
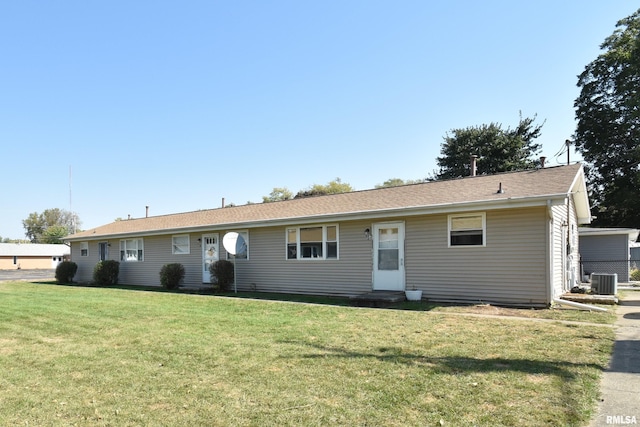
(113, 357)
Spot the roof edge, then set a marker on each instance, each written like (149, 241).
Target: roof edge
(508, 203)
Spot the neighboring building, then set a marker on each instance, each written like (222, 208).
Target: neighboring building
(29, 256)
(607, 250)
(509, 238)
(635, 255)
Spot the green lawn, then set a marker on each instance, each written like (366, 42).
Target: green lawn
(91, 356)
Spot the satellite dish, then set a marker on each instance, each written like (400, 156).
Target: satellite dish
(234, 243)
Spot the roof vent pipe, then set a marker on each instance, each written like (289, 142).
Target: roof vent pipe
(223, 202)
(500, 190)
(146, 215)
(473, 164)
(129, 216)
(543, 159)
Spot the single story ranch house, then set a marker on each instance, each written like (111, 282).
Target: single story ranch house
(509, 238)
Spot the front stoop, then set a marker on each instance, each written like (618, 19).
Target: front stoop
(378, 298)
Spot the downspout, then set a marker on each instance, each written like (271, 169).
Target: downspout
(550, 264)
(571, 271)
(578, 305)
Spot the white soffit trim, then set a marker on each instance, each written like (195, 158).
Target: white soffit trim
(581, 197)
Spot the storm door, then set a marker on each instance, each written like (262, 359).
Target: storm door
(388, 256)
(210, 254)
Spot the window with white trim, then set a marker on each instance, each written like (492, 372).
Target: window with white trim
(180, 244)
(243, 254)
(315, 242)
(467, 229)
(131, 250)
(84, 248)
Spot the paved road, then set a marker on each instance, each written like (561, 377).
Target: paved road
(47, 274)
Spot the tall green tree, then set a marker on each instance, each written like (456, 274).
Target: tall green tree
(608, 130)
(498, 149)
(54, 234)
(50, 225)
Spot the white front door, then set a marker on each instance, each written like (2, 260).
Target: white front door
(210, 254)
(388, 256)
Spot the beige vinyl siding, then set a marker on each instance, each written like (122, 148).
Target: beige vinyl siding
(158, 252)
(268, 270)
(566, 259)
(510, 268)
(86, 264)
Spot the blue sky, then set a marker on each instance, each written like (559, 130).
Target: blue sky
(176, 105)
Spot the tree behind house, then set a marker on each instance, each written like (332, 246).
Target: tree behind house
(608, 131)
(498, 150)
(50, 226)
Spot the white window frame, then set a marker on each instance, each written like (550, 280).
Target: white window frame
(131, 245)
(450, 229)
(245, 236)
(84, 249)
(298, 244)
(180, 247)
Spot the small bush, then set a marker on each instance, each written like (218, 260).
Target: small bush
(635, 275)
(106, 273)
(65, 271)
(171, 275)
(223, 273)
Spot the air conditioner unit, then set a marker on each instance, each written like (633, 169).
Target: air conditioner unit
(604, 284)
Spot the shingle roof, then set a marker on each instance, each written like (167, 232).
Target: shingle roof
(553, 181)
(33, 249)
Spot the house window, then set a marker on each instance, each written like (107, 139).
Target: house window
(319, 242)
(131, 250)
(180, 245)
(84, 248)
(467, 230)
(243, 253)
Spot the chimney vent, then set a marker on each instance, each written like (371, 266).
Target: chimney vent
(543, 159)
(473, 164)
(146, 215)
(223, 202)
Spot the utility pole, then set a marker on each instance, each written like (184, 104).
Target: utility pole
(73, 217)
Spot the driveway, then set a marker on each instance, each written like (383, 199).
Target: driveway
(46, 274)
